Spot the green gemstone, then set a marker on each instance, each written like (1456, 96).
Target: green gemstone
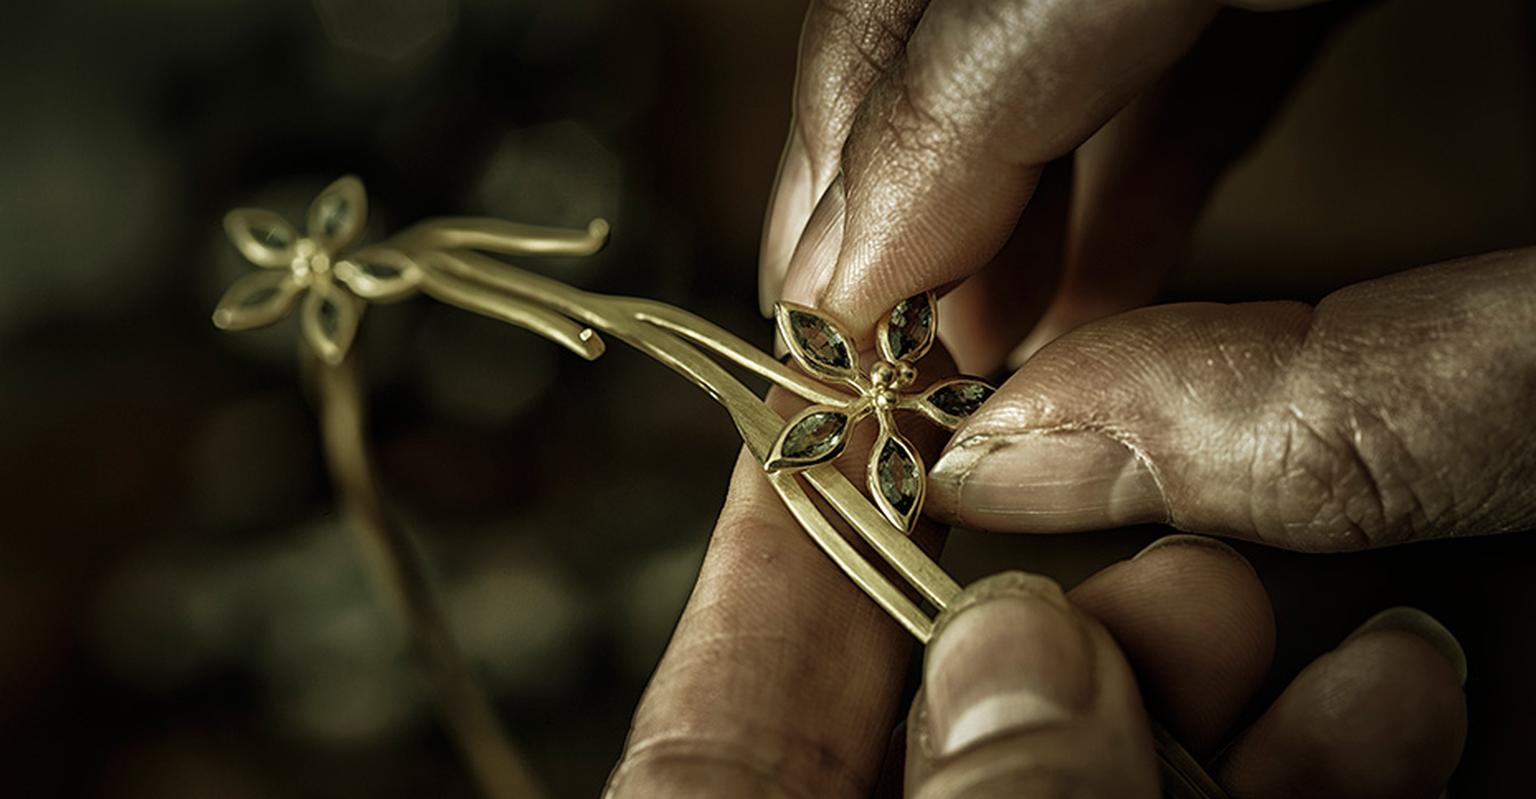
(260, 296)
(911, 326)
(333, 215)
(819, 341)
(816, 436)
(272, 238)
(896, 474)
(960, 399)
(379, 270)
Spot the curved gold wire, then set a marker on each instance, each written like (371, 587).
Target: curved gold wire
(452, 268)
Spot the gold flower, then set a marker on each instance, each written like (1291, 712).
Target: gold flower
(311, 265)
(818, 434)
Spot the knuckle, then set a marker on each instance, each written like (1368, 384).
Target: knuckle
(1343, 479)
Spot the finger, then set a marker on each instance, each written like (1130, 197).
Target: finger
(1023, 695)
(844, 46)
(946, 149)
(1394, 411)
(983, 318)
(1381, 716)
(1197, 627)
(779, 669)
(1145, 176)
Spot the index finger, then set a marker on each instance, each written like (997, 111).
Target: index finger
(947, 147)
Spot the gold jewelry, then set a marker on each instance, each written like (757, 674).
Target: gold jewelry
(444, 259)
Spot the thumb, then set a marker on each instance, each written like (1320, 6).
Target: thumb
(1395, 410)
(1025, 696)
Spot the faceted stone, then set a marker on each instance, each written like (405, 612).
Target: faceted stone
(272, 238)
(910, 328)
(330, 317)
(819, 342)
(379, 270)
(897, 476)
(815, 436)
(260, 296)
(333, 215)
(962, 398)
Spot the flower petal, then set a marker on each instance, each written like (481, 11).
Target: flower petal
(906, 333)
(815, 435)
(896, 480)
(819, 344)
(256, 300)
(264, 238)
(951, 401)
(337, 216)
(329, 321)
(379, 273)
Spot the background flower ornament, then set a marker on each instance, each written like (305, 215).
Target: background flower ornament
(309, 265)
(896, 476)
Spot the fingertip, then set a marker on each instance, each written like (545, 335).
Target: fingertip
(790, 204)
(1382, 715)
(1196, 623)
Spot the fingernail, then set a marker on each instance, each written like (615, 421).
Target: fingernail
(789, 206)
(815, 255)
(1045, 482)
(1010, 659)
(1416, 622)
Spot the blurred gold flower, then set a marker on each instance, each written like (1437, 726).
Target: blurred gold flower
(311, 265)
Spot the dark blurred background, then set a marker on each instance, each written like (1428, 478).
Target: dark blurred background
(181, 613)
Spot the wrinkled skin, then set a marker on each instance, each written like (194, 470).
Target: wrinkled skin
(933, 146)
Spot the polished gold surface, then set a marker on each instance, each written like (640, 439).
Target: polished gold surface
(446, 259)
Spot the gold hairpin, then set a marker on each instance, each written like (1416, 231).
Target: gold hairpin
(445, 259)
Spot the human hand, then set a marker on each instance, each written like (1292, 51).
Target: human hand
(782, 679)
(922, 129)
(1396, 410)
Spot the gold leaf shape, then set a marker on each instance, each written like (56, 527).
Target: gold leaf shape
(952, 401)
(379, 273)
(264, 238)
(818, 344)
(906, 333)
(815, 435)
(329, 321)
(337, 216)
(896, 480)
(256, 300)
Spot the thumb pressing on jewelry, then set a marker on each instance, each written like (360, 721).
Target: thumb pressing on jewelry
(1025, 696)
(1395, 410)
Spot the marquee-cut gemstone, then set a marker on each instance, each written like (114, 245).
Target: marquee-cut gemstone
(333, 212)
(812, 438)
(260, 296)
(898, 478)
(909, 330)
(819, 342)
(271, 237)
(960, 398)
(379, 270)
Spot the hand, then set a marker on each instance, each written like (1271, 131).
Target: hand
(923, 127)
(1396, 410)
(784, 680)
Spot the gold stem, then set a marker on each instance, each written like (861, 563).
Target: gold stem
(757, 424)
(399, 574)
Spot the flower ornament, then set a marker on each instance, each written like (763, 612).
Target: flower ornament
(818, 434)
(309, 265)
